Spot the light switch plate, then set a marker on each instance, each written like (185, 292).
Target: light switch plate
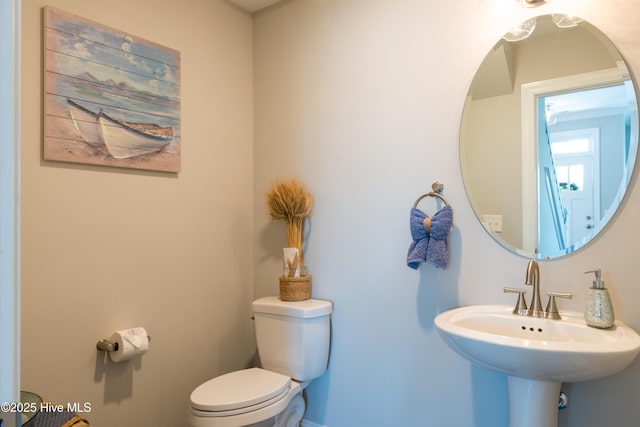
(494, 221)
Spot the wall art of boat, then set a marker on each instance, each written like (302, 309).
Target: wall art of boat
(122, 139)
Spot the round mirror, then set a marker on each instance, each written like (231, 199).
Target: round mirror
(549, 136)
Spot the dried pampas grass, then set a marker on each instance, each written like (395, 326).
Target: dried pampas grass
(291, 202)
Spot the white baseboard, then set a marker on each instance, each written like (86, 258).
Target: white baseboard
(306, 423)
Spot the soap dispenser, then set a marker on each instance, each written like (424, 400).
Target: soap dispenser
(599, 310)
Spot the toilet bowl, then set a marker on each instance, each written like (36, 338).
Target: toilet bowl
(293, 344)
(246, 398)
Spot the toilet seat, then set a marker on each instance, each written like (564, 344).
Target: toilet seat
(239, 392)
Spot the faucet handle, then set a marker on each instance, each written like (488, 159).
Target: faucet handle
(551, 312)
(521, 304)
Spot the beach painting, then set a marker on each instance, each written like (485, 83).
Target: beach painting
(111, 98)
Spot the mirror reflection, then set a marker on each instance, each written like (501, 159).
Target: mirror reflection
(549, 136)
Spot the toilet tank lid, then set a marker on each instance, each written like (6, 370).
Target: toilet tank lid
(303, 309)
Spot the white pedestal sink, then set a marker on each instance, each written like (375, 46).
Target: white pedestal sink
(537, 354)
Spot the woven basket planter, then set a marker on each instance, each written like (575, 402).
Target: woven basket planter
(295, 288)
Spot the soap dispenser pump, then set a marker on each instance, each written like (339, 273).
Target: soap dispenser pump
(599, 310)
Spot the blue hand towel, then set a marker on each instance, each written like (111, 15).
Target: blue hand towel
(431, 247)
(420, 235)
(438, 248)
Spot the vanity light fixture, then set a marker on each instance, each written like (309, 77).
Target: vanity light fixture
(531, 3)
(521, 32)
(565, 21)
(525, 29)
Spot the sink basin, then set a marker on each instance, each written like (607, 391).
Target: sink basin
(537, 354)
(565, 350)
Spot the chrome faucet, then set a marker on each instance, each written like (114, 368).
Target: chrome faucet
(535, 309)
(533, 279)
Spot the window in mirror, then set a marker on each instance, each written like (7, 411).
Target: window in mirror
(570, 177)
(572, 146)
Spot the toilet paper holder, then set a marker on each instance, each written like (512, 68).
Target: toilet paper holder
(108, 346)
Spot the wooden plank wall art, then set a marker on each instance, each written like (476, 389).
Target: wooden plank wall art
(111, 98)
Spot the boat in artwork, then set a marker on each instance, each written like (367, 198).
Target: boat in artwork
(86, 123)
(122, 139)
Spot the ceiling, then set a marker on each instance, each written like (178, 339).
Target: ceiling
(254, 5)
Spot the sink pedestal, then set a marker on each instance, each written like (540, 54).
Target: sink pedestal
(533, 403)
(537, 354)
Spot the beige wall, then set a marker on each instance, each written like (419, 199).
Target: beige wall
(105, 248)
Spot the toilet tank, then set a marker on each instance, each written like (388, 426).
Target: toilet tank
(293, 337)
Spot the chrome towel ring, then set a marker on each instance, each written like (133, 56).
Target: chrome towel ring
(437, 188)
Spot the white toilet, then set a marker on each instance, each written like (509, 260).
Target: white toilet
(293, 343)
